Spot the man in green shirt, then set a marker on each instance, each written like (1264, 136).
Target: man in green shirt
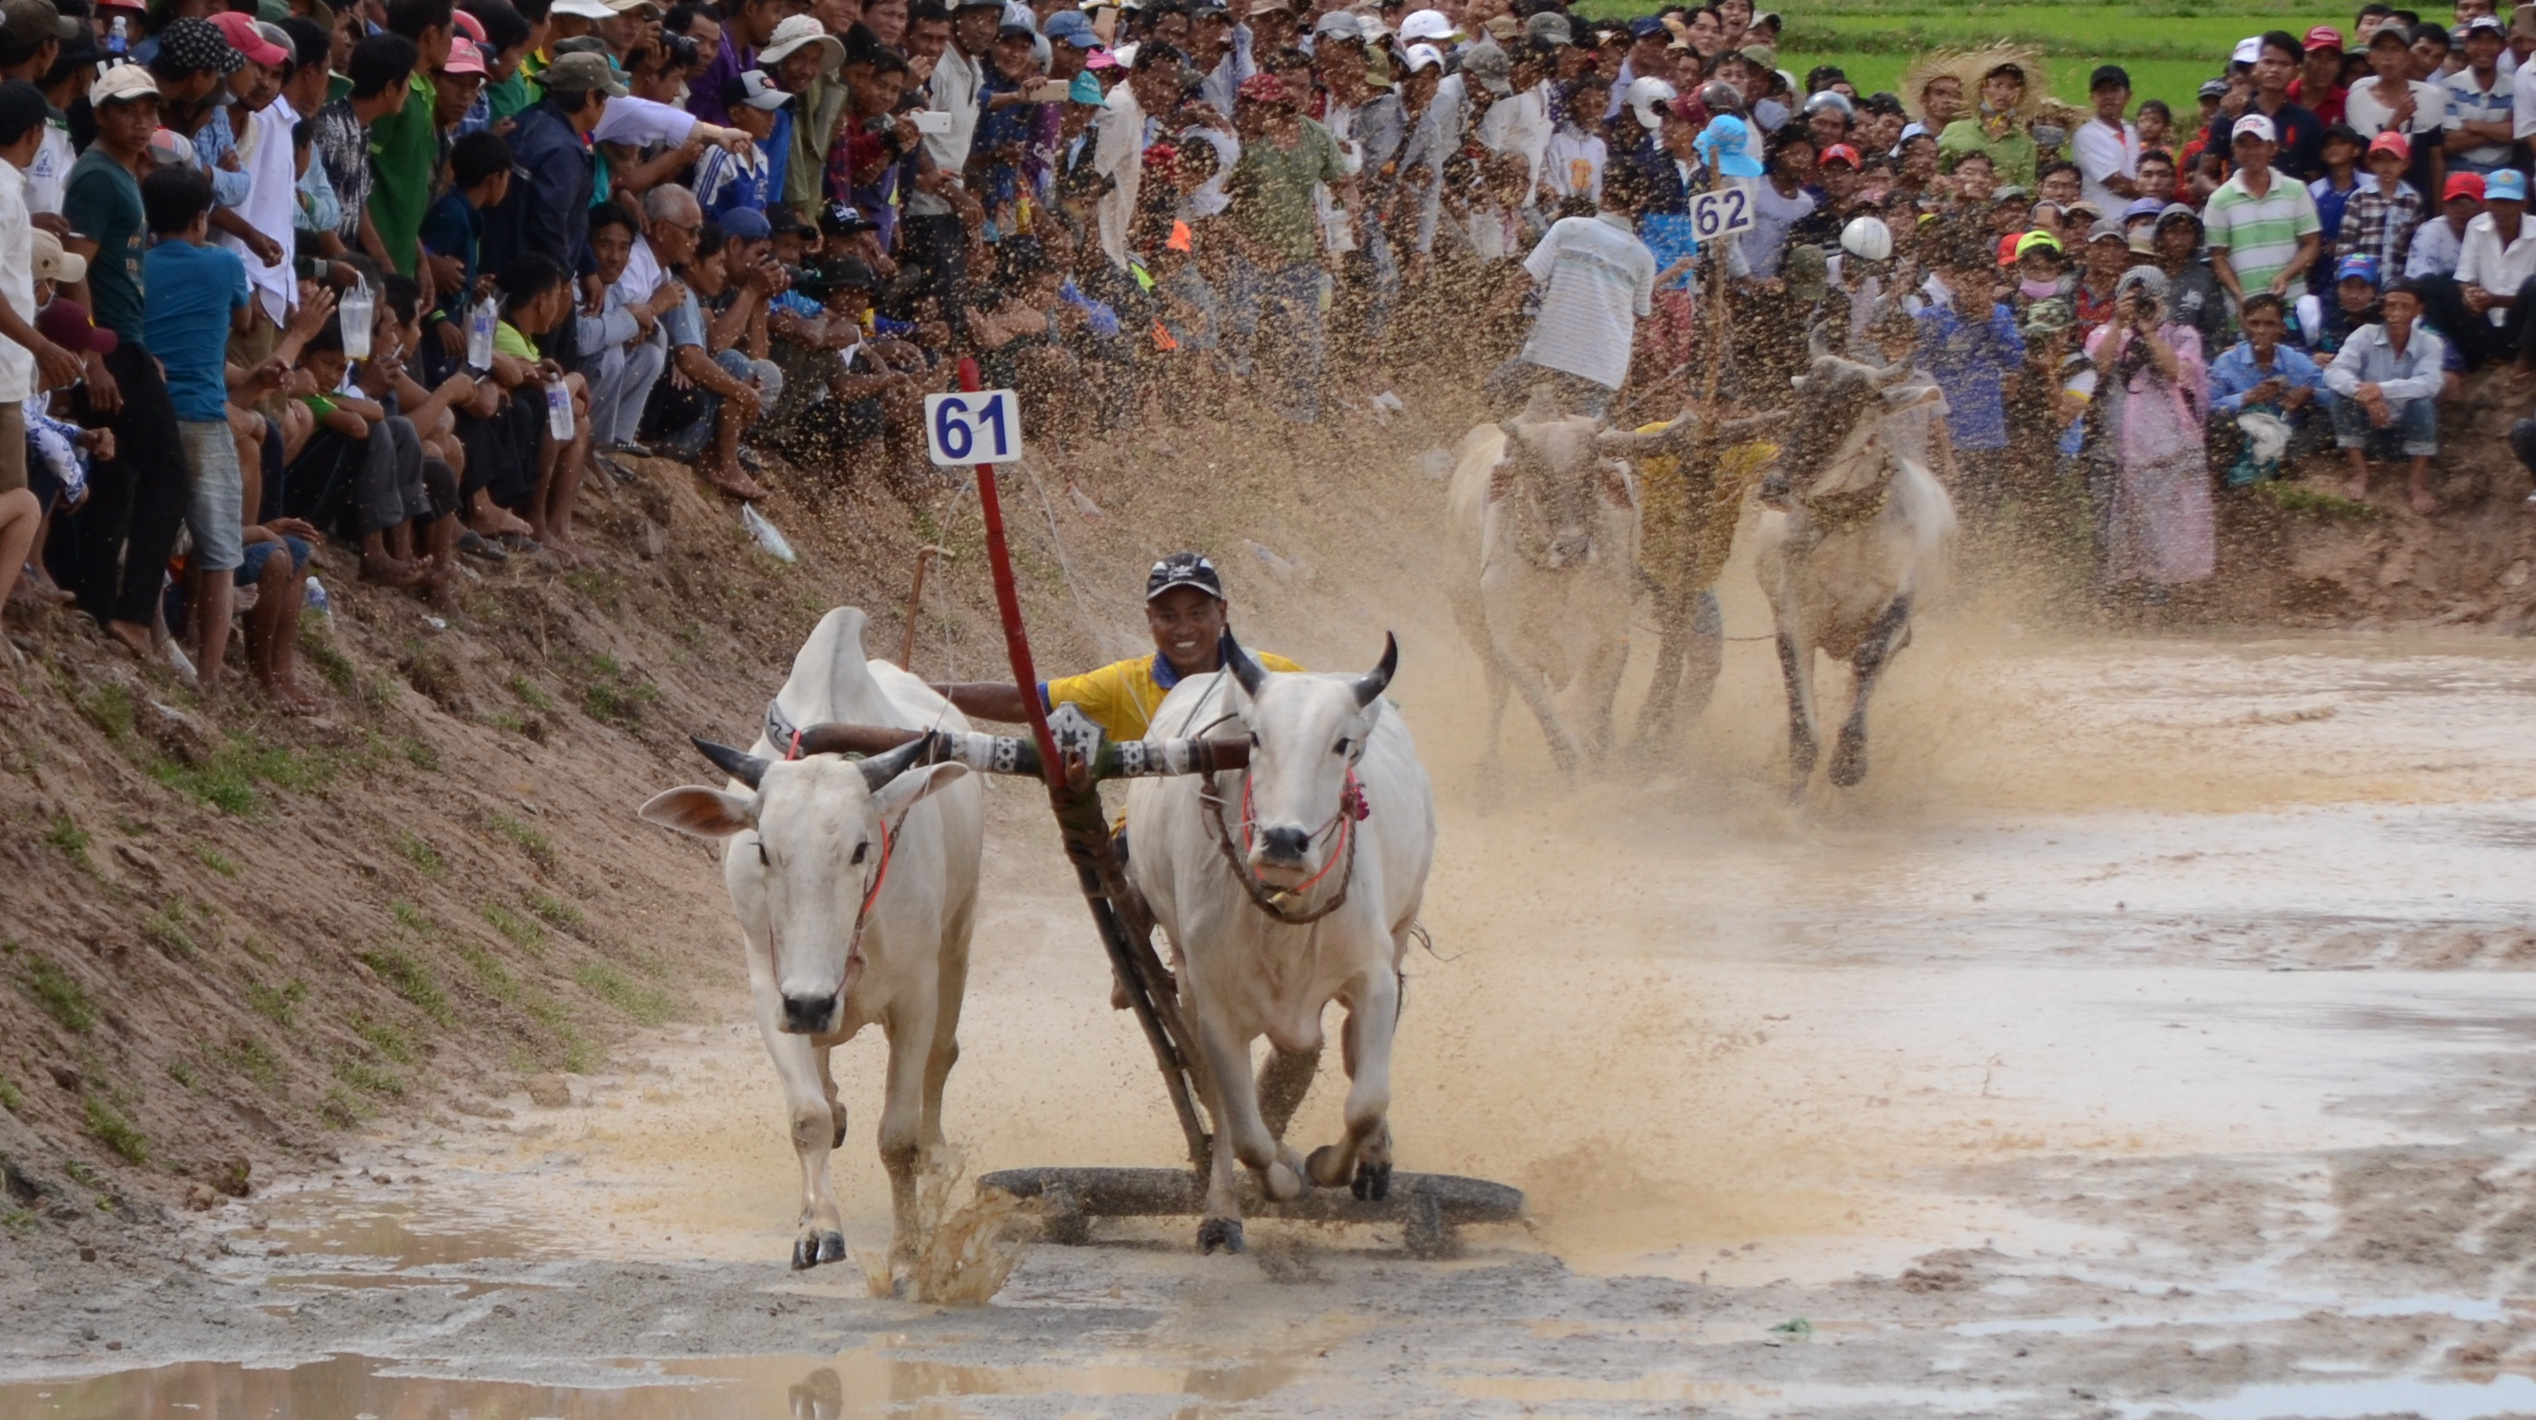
(1997, 128)
(1277, 234)
(404, 146)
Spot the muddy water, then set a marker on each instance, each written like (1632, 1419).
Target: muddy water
(2149, 1036)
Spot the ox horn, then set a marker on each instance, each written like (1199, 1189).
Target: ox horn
(745, 767)
(1244, 669)
(881, 768)
(1372, 682)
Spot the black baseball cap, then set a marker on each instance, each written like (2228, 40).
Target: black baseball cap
(2109, 76)
(1184, 569)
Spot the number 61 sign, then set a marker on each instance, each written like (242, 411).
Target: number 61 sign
(982, 426)
(1721, 213)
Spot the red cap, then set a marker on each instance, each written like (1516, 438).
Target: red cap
(239, 29)
(66, 324)
(2392, 142)
(2463, 185)
(464, 58)
(2324, 37)
(1841, 152)
(2007, 248)
(1264, 88)
(469, 27)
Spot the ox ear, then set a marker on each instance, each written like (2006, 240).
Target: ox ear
(1371, 684)
(747, 768)
(700, 812)
(910, 788)
(1244, 669)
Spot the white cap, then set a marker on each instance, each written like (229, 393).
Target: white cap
(1647, 98)
(2256, 125)
(1867, 238)
(1422, 56)
(583, 9)
(121, 84)
(1425, 25)
(2248, 51)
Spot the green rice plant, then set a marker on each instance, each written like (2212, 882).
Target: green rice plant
(118, 1133)
(647, 1004)
(408, 977)
(60, 994)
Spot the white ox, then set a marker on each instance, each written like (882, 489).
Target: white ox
(823, 850)
(1857, 534)
(1544, 546)
(1280, 897)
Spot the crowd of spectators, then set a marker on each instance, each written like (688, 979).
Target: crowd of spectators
(401, 276)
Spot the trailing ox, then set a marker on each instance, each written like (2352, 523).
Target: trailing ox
(1284, 887)
(1853, 535)
(856, 888)
(1544, 544)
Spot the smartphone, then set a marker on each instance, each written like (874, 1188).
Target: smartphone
(931, 120)
(1054, 91)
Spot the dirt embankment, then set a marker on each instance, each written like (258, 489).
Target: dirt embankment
(228, 935)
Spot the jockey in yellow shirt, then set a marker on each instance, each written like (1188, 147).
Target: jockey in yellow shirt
(1185, 606)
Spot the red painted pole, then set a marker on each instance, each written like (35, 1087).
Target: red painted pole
(1008, 602)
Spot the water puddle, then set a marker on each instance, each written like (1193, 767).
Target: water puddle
(2348, 1400)
(853, 1384)
(1700, 1393)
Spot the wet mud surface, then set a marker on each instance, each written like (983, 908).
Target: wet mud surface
(2150, 1037)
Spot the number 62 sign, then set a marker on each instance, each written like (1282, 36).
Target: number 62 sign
(1721, 213)
(982, 426)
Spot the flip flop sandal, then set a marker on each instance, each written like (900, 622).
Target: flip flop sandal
(522, 542)
(475, 544)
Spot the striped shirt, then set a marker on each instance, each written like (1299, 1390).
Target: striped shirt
(1597, 279)
(2260, 234)
(2469, 104)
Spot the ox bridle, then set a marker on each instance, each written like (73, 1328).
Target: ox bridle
(1352, 809)
(781, 730)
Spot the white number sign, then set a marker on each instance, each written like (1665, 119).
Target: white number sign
(1721, 213)
(983, 426)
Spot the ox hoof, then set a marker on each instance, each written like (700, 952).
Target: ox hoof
(1225, 1233)
(810, 1250)
(1373, 1182)
(1849, 764)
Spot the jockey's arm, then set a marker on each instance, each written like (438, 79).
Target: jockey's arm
(987, 699)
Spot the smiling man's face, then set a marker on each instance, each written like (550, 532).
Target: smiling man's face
(1187, 625)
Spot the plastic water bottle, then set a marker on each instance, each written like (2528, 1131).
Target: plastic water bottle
(357, 312)
(480, 335)
(314, 601)
(119, 39)
(559, 411)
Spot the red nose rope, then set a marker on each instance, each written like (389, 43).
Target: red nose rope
(1352, 808)
(889, 840)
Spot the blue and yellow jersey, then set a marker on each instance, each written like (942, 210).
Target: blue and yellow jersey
(1122, 697)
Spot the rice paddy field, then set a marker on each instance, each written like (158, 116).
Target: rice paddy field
(2170, 48)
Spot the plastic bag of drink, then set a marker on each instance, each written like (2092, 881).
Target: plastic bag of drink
(357, 311)
(767, 537)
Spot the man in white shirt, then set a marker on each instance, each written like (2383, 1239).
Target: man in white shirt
(22, 349)
(1597, 281)
(933, 238)
(2106, 147)
(261, 234)
(2486, 308)
(1153, 87)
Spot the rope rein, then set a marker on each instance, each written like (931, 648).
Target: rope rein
(1352, 808)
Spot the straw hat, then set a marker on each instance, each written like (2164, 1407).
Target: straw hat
(1968, 66)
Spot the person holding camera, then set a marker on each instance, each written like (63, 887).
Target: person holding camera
(2151, 385)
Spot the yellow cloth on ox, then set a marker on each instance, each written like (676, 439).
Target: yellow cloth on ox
(1687, 515)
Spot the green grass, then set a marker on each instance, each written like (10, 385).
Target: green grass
(278, 1004)
(554, 910)
(515, 929)
(2291, 498)
(321, 652)
(61, 996)
(646, 1004)
(214, 859)
(118, 1133)
(255, 1060)
(183, 1074)
(534, 843)
(10, 1099)
(2169, 46)
(423, 856)
(230, 777)
(109, 707)
(69, 839)
(406, 975)
(370, 1079)
(167, 926)
(530, 695)
(395, 1044)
